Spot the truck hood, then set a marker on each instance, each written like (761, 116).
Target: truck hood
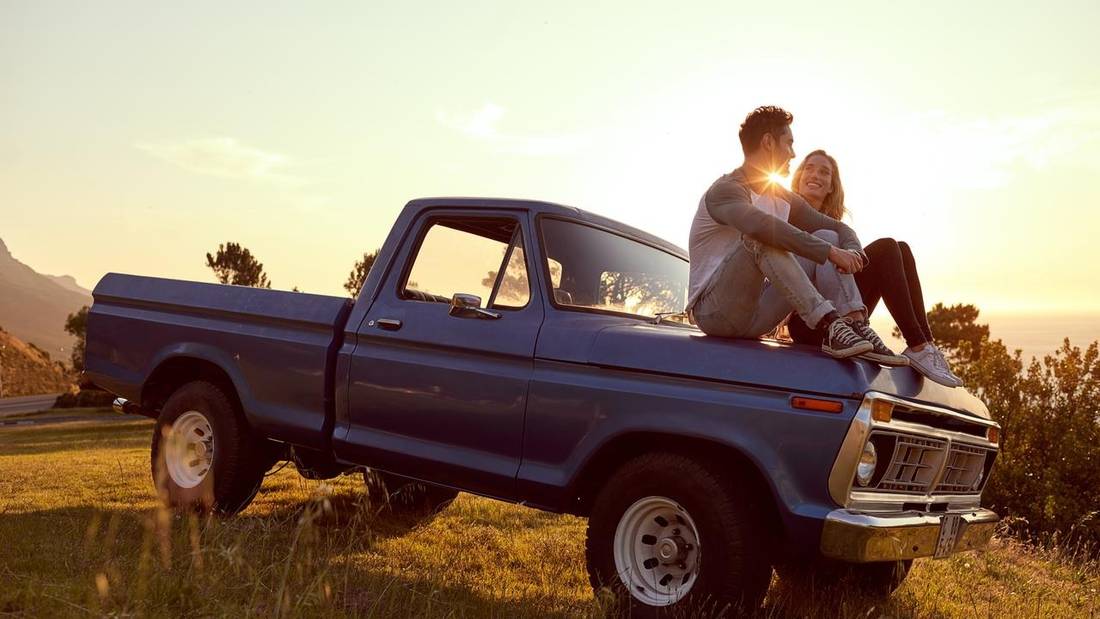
(672, 350)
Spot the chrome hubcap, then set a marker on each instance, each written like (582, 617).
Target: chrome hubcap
(657, 551)
(672, 550)
(189, 449)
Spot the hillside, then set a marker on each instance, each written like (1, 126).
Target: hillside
(33, 306)
(27, 370)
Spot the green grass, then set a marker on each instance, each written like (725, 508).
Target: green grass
(81, 534)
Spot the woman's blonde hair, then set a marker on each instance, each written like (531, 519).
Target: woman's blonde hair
(833, 204)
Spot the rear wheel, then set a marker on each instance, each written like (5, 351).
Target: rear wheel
(668, 536)
(203, 454)
(405, 496)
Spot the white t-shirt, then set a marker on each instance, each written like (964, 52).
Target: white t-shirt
(776, 207)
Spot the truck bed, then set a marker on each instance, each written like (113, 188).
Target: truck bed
(277, 348)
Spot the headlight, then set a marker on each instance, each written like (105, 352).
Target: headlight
(867, 463)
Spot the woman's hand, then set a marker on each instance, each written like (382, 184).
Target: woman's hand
(846, 261)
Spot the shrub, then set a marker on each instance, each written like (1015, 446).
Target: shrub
(1047, 477)
(84, 398)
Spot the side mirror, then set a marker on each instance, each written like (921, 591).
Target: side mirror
(469, 306)
(465, 301)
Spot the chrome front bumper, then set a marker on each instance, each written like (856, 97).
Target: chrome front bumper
(861, 538)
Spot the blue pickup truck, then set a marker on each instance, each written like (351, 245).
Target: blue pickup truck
(533, 352)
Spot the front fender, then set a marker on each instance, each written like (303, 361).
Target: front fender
(575, 412)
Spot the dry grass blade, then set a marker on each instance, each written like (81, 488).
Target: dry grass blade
(307, 549)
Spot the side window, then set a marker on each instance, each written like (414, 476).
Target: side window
(465, 255)
(514, 290)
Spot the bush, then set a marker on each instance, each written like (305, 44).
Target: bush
(1049, 469)
(84, 398)
(1047, 477)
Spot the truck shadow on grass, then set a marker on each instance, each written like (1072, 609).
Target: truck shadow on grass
(97, 541)
(304, 562)
(314, 560)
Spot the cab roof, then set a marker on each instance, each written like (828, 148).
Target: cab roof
(539, 207)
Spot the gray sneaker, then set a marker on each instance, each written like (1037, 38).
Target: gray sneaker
(945, 366)
(841, 341)
(930, 363)
(880, 353)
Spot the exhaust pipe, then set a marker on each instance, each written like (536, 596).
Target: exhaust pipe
(123, 406)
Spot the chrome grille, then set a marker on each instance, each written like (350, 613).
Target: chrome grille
(965, 465)
(914, 464)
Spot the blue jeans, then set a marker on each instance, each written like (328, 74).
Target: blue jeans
(839, 288)
(737, 303)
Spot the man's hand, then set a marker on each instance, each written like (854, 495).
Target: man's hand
(846, 261)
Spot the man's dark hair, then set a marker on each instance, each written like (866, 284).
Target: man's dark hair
(764, 119)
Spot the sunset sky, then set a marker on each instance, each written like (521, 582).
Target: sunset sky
(136, 136)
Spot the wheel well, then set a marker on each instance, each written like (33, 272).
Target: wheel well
(729, 461)
(177, 372)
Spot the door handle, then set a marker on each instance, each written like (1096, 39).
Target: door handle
(388, 324)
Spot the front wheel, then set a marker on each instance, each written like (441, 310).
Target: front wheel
(666, 534)
(203, 455)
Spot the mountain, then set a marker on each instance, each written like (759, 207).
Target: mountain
(26, 370)
(68, 282)
(33, 307)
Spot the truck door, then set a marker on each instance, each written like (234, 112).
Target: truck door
(438, 381)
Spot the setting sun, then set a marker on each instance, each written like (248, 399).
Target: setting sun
(776, 178)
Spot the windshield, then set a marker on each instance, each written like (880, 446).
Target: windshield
(595, 269)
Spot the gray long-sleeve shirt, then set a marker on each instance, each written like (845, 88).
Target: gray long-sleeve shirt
(726, 212)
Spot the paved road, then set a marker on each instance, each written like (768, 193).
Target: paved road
(26, 404)
(50, 419)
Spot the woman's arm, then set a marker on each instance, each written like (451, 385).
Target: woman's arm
(806, 217)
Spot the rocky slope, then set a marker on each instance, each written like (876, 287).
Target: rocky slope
(33, 306)
(26, 370)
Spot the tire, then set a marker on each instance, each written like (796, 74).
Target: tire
(203, 455)
(878, 579)
(405, 496)
(711, 539)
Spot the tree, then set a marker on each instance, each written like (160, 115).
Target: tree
(514, 289)
(359, 273)
(956, 330)
(235, 265)
(1047, 476)
(77, 325)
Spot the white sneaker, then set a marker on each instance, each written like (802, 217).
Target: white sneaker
(931, 364)
(945, 366)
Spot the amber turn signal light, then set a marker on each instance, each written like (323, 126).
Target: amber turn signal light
(881, 410)
(993, 434)
(821, 406)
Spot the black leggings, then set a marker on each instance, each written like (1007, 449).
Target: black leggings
(891, 275)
